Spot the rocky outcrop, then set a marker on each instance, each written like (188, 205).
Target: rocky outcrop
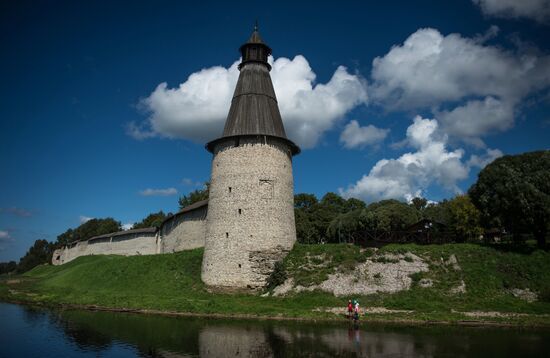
(381, 273)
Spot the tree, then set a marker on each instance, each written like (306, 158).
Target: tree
(437, 212)
(90, 228)
(514, 192)
(194, 196)
(419, 203)
(152, 220)
(354, 204)
(345, 225)
(305, 201)
(40, 253)
(464, 218)
(392, 215)
(7, 267)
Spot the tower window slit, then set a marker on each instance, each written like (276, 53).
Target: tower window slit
(229, 189)
(240, 211)
(226, 235)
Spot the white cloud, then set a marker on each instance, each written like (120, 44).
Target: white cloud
(477, 118)
(412, 173)
(84, 219)
(4, 235)
(191, 182)
(481, 161)
(355, 136)
(433, 71)
(17, 211)
(538, 10)
(158, 192)
(309, 110)
(127, 226)
(197, 108)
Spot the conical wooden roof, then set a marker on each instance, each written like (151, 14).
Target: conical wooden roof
(254, 109)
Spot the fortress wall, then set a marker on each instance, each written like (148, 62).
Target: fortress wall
(99, 246)
(184, 231)
(134, 244)
(250, 212)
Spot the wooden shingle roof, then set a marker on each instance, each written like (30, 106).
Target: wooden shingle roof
(254, 110)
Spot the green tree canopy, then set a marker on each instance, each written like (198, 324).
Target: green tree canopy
(464, 218)
(40, 253)
(437, 212)
(392, 215)
(419, 203)
(514, 192)
(305, 201)
(194, 196)
(7, 267)
(90, 228)
(154, 219)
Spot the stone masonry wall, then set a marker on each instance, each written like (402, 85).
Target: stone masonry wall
(184, 232)
(127, 245)
(250, 222)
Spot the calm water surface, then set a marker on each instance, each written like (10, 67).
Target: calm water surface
(37, 332)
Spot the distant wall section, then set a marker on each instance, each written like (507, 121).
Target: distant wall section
(186, 230)
(183, 231)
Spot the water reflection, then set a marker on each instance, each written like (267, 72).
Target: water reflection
(117, 334)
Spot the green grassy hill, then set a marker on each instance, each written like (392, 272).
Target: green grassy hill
(171, 282)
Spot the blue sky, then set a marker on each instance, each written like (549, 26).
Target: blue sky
(85, 131)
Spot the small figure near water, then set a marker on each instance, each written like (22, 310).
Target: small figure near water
(356, 311)
(350, 310)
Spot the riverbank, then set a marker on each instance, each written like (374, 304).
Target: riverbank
(501, 288)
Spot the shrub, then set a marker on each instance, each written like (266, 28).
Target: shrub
(277, 277)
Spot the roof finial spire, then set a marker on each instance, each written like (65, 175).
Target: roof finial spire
(256, 25)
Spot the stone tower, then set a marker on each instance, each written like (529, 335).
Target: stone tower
(250, 222)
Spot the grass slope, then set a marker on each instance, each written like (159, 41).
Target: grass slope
(172, 282)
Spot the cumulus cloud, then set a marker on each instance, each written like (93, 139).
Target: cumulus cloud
(433, 71)
(4, 235)
(355, 136)
(190, 182)
(17, 211)
(127, 226)
(481, 161)
(412, 173)
(158, 192)
(538, 10)
(477, 118)
(83, 219)
(197, 108)
(309, 110)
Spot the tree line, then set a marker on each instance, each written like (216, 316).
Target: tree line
(511, 195)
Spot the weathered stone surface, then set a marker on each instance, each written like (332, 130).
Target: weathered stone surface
(389, 275)
(184, 232)
(460, 289)
(371, 277)
(524, 294)
(425, 283)
(250, 221)
(127, 245)
(453, 262)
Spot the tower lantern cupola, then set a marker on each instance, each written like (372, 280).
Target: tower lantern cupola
(255, 50)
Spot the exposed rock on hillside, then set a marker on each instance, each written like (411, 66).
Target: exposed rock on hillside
(380, 273)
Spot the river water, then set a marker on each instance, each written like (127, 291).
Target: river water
(38, 332)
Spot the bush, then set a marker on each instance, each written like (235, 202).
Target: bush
(277, 277)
